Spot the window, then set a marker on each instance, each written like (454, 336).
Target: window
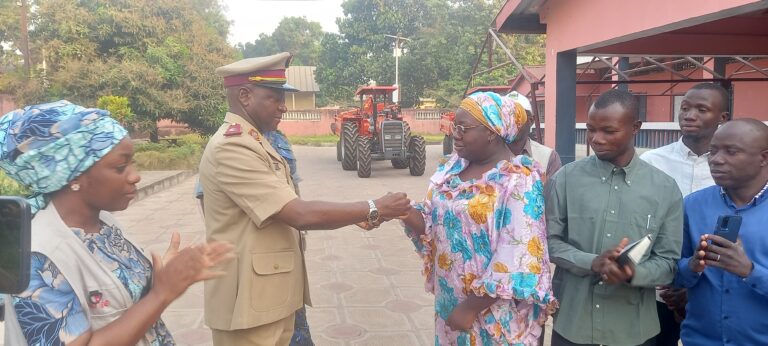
(678, 100)
(540, 109)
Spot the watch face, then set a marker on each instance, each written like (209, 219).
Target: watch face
(373, 215)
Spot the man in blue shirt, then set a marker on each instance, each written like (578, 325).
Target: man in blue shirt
(728, 282)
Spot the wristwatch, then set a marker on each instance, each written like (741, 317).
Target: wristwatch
(373, 213)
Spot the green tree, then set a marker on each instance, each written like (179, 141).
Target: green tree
(297, 35)
(159, 54)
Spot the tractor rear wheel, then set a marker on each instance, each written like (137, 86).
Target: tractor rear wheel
(448, 145)
(363, 157)
(348, 143)
(417, 151)
(338, 150)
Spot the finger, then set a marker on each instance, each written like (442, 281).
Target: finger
(715, 264)
(720, 241)
(157, 261)
(173, 247)
(623, 243)
(716, 249)
(221, 259)
(628, 271)
(218, 247)
(207, 275)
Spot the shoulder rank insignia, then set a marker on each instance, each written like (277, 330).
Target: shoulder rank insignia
(234, 129)
(255, 134)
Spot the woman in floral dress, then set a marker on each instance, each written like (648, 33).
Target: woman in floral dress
(482, 235)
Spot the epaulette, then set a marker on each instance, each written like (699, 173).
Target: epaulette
(255, 134)
(234, 129)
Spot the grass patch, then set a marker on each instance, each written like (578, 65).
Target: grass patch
(313, 140)
(9, 187)
(177, 153)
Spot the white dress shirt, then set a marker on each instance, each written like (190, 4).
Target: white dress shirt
(690, 171)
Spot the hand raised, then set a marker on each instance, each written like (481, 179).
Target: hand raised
(726, 255)
(184, 267)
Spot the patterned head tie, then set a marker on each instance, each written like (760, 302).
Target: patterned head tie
(47, 146)
(500, 114)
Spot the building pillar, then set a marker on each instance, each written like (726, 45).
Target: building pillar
(623, 66)
(565, 122)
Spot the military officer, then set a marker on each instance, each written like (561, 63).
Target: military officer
(250, 201)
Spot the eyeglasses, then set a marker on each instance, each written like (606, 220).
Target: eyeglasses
(461, 128)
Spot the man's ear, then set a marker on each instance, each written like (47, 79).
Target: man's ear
(244, 95)
(724, 116)
(636, 127)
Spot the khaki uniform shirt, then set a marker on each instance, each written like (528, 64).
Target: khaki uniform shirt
(590, 207)
(246, 182)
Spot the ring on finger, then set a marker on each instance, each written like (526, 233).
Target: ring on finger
(718, 258)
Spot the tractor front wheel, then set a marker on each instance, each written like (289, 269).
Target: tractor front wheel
(348, 142)
(417, 150)
(363, 157)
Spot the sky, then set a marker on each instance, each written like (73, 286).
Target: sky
(253, 17)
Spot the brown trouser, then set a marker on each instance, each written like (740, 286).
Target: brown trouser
(277, 333)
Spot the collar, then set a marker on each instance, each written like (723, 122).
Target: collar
(759, 197)
(527, 151)
(606, 169)
(683, 150)
(250, 131)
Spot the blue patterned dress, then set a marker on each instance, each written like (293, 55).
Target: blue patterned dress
(49, 312)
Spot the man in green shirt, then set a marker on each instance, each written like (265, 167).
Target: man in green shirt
(597, 205)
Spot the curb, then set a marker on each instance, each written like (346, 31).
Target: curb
(161, 185)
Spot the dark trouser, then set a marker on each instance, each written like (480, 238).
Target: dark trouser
(670, 329)
(559, 340)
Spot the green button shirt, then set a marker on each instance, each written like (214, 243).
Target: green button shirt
(591, 205)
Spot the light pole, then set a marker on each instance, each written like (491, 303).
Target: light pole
(397, 53)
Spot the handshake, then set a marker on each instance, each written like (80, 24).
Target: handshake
(390, 206)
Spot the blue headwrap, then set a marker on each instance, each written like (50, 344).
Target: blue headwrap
(46, 146)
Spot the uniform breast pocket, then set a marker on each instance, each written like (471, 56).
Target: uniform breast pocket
(104, 305)
(272, 284)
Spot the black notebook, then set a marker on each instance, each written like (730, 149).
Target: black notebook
(633, 253)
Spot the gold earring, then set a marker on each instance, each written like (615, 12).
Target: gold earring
(75, 187)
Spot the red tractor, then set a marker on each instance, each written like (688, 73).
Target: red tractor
(376, 132)
(446, 119)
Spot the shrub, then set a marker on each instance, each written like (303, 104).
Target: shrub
(157, 157)
(9, 187)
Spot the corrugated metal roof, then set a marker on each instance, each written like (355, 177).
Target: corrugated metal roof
(303, 78)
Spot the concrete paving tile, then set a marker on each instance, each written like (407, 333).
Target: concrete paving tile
(424, 318)
(356, 264)
(338, 287)
(364, 279)
(385, 271)
(344, 331)
(416, 294)
(403, 306)
(427, 337)
(368, 296)
(318, 278)
(377, 319)
(409, 278)
(321, 297)
(320, 318)
(353, 252)
(178, 320)
(321, 340)
(318, 266)
(387, 339)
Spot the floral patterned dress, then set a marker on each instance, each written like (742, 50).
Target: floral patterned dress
(487, 236)
(49, 312)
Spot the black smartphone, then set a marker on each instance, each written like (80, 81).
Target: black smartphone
(15, 228)
(728, 227)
